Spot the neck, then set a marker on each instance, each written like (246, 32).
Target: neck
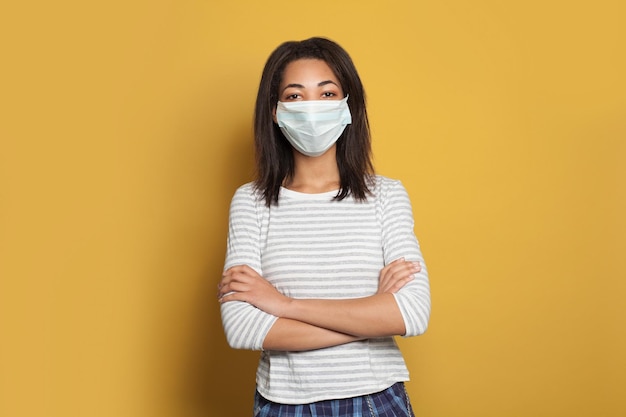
(315, 174)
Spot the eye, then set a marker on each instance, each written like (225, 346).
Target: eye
(328, 94)
(293, 96)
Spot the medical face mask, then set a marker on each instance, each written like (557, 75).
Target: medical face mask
(313, 126)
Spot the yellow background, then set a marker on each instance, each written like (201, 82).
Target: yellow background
(126, 127)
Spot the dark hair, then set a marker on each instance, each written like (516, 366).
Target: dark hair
(274, 155)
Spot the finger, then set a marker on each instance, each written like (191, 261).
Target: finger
(234, 286)
(406, 267)
(400, 263)
(233, 268)
(242, 269)
(395, 286)
(221, 291)
(234, 276)
(384, 273)
(228, 286)
(398, 285)
(397, 274)
(399, 270)
(232, 296)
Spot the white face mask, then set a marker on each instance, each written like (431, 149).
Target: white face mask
(313, 126)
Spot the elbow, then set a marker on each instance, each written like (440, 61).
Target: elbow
(245, 327)
(243, 338)
(240, 343)
(416, 315)
(232, 341)
(420, 330)
(416, 330)
(416, 320)
(235, 335)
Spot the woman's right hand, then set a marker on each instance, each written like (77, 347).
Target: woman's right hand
(396, 275)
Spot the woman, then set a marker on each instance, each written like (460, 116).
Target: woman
(322, 266)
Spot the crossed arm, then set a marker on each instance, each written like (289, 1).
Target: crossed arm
(306, 324)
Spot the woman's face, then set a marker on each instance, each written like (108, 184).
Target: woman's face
(309, 79)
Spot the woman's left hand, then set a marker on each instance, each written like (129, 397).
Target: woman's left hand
(242, 283)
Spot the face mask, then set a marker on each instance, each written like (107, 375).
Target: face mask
(313, 126)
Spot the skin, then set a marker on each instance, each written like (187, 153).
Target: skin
(306, 324)
(311, 79)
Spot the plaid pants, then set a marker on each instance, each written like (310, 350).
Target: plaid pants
(392, 402)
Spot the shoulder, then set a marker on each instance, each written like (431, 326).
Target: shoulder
(247, 191)
(246, 195)
(390, 194)
(383, 186)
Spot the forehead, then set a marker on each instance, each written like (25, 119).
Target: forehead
(307, 71)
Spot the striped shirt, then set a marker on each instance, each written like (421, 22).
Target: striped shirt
(311, 246)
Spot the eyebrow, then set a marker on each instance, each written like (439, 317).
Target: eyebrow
(320, 84)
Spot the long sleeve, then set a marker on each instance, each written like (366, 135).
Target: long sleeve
(399, 241)
(311, 246)
(245, 326)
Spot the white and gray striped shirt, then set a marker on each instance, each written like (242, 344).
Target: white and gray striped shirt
(311, 246)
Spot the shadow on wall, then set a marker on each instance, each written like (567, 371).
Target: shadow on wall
(219, 381)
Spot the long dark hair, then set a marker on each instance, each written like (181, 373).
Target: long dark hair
(274, 155)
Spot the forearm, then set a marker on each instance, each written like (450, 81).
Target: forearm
(293, 335)
(374, 316)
